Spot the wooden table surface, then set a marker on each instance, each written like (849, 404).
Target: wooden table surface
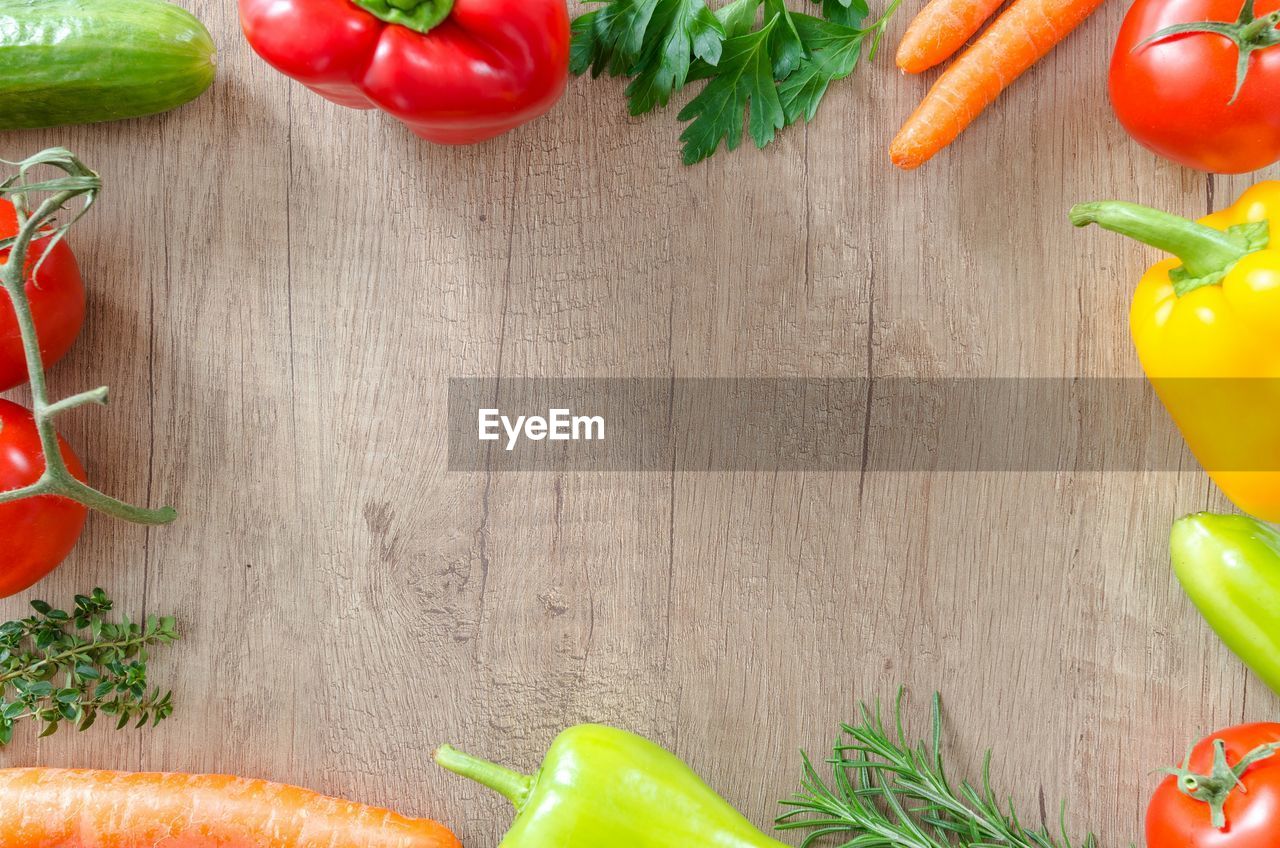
(281, 288)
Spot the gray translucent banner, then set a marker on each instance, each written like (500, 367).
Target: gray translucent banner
(881, 424)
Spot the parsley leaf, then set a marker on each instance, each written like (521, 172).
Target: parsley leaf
(610, 38)
(738, 17)
(785, 45)
(665, 69)
(850, 13)
(763, 65)
(654, 41)
(743, 82)
(834, 53)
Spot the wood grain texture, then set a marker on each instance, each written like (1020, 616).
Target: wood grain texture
(281, 288)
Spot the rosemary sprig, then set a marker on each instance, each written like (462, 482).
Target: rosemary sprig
(888, 793)
(52, 674)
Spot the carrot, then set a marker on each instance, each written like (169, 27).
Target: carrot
(941, 28)
(57, 808)
(1019, 38)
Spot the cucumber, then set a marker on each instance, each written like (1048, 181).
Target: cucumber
(84, 61)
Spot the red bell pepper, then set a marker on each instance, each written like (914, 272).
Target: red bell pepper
(454, 71)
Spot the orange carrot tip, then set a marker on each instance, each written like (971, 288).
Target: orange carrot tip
(1018, 39)
(940, 30)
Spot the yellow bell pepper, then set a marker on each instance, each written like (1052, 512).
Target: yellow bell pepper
(1207, 329)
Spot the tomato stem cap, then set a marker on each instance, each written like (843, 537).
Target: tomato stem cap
(1248, 32)
(1216, 787)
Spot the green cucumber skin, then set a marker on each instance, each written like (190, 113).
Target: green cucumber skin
(85, 61)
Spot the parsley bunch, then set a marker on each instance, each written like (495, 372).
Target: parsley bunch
(763, 64)
(52, 674)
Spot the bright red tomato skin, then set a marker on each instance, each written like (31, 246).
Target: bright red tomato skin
(36, 534)
(1174, 96)
(1253, 818)
(57, 304)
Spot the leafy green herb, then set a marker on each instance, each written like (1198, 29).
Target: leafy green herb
(888, 793)
(669, 34)
(850, 13)
(764, 66)
(834, 53)
(743, 83)
(53, 674)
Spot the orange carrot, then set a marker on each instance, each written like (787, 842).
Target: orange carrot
(57, 808)
(1019, 38)
(942, 28)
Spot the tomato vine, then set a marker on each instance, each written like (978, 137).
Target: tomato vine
(36, 223)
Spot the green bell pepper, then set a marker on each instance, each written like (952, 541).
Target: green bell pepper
(1230, 567)
(604, 788)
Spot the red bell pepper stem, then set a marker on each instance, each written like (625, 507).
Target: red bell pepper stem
(418, 15)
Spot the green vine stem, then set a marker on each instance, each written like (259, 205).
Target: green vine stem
(77, 182)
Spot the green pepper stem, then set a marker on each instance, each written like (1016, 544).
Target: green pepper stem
(1203, 250)
(418, 15)
(512, 785)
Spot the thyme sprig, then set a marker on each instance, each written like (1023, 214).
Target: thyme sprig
(54, 675)
(886, 792)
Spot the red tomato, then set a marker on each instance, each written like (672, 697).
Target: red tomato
(57, 304)
(36, 534)
(1252, 817)
(1175, 95)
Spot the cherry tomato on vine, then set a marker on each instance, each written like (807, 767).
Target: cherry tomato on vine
(1186, 94)
(57, 304)
(1227, 794)
(36, 534)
